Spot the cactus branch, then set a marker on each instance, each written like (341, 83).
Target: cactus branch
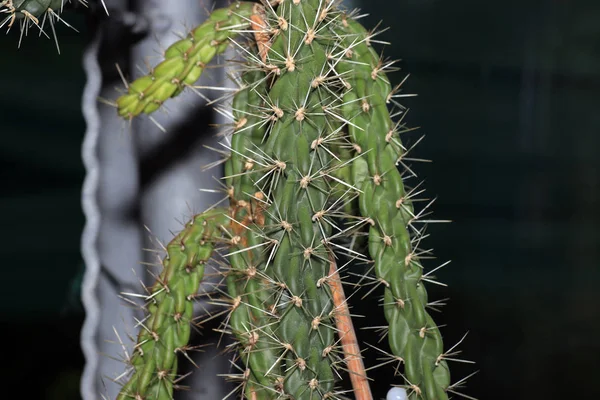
(185, 60)
(165, 333)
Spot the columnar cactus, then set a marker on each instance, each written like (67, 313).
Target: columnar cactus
(312, 171)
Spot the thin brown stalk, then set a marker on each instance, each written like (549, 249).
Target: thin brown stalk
(350, 347)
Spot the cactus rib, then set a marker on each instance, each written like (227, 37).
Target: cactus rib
(250, 284)
(167, 330)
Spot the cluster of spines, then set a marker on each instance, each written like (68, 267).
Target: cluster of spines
(312, 141)
(35, 13)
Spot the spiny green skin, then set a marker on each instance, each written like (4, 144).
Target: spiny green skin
(413, 335)
(185, 61)
(167, 330)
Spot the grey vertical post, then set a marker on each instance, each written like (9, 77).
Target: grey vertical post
(91, 230)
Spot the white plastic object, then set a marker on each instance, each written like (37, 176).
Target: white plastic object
(396, 393)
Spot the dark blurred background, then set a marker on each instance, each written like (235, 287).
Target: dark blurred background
(508, 99)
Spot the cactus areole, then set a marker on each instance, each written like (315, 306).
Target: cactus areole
(315, 179)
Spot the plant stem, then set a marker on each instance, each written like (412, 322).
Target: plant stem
(350, 347)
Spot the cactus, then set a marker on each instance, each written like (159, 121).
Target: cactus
(312, 179)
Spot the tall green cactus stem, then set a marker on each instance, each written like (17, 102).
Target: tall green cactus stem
(312, 165)
(167, 330)
(413, 336)
(298, 262)
(185, 60)
(299, 199)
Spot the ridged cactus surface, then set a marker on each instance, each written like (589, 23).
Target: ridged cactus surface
(315, 176)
